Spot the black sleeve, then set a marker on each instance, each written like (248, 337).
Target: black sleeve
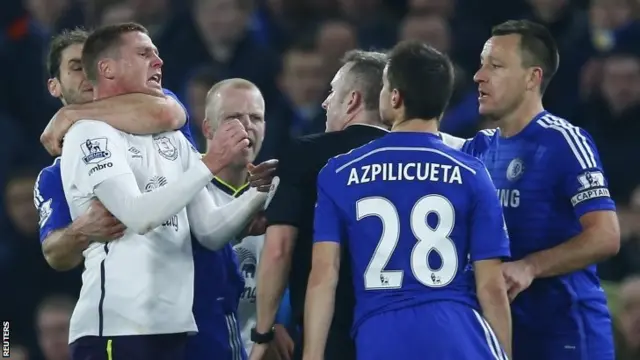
(286, 206)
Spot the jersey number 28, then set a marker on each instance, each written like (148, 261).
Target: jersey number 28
(428, 239)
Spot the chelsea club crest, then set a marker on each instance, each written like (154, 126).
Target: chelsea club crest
(515, 169)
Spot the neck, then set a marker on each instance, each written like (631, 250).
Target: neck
(513, 122)
(106, 90)
(416, 125)
(364, 117)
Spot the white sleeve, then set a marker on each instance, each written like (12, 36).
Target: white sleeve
(188, 153)
(215, 226)
(94, 152)
(101, 167)
(452, 141)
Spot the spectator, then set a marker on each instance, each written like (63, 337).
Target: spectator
(611, 117)
(461, 117)
(217, 32)
(52, 323)
(333, 39)
(299, 112)
(19, 352)
(629, 319)
(197, 87)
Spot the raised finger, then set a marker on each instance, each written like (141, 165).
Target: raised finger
(263, 166)
(263, 176)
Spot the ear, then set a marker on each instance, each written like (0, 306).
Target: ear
(206, 129)
(354, 102)
(54, 87)
(396, 99)
(535, 78)
(106, 69)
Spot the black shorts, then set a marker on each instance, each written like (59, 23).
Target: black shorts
(134, 347)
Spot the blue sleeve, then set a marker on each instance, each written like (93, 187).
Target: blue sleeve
(186, 128)
(327, 222)
(489, 238)
(49, 199)
(581, 178)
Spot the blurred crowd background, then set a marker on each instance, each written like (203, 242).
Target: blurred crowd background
(291, 49)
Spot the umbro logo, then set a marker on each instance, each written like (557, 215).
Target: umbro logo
(135, 153)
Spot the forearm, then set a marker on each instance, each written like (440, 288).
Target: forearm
(318, 312)
(273, 270)
(496, 310)
(142, 212)
(63, 248)
(133, 113)
(215, 226)
(587, 248)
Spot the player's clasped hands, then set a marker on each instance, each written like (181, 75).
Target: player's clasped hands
(518, 276)
(227, 144)
(98, 224)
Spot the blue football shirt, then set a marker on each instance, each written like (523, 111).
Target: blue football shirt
(414, 214)
(547, 177)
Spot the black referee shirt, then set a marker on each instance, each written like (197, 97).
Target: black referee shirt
(294, 205)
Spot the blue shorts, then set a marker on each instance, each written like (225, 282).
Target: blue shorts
(138, 347)
(430, 331)
(218, 339)
(590, 339)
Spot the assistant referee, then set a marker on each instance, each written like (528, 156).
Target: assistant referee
(353, 120)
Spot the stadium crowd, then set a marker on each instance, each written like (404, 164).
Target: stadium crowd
(291, 50)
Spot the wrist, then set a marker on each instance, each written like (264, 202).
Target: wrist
(259, 337)
(530, 266)
(80, 240)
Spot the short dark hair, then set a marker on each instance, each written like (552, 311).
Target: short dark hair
(537, 46)
(103, 40)
(59, 43)
(424, 78)
(366, 74)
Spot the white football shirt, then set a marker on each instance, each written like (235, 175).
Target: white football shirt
(138, 284)
(248, 252)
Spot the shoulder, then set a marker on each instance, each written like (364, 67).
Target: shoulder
(467, 162)
(560, 131)
(480, 142)
(342, 161)
(52, 170)
(85, 130)
(49, 177)
(565, 139)
(88, 125)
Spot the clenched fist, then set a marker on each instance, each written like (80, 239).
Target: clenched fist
(228, 141)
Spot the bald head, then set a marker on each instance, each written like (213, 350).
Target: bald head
(230, 97)
(236, 99)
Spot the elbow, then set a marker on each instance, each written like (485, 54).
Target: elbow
(56, 262)
(610, 241)
(58, 265)
(171, 115)
(138, 226)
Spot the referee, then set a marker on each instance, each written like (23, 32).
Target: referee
(353, 120)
